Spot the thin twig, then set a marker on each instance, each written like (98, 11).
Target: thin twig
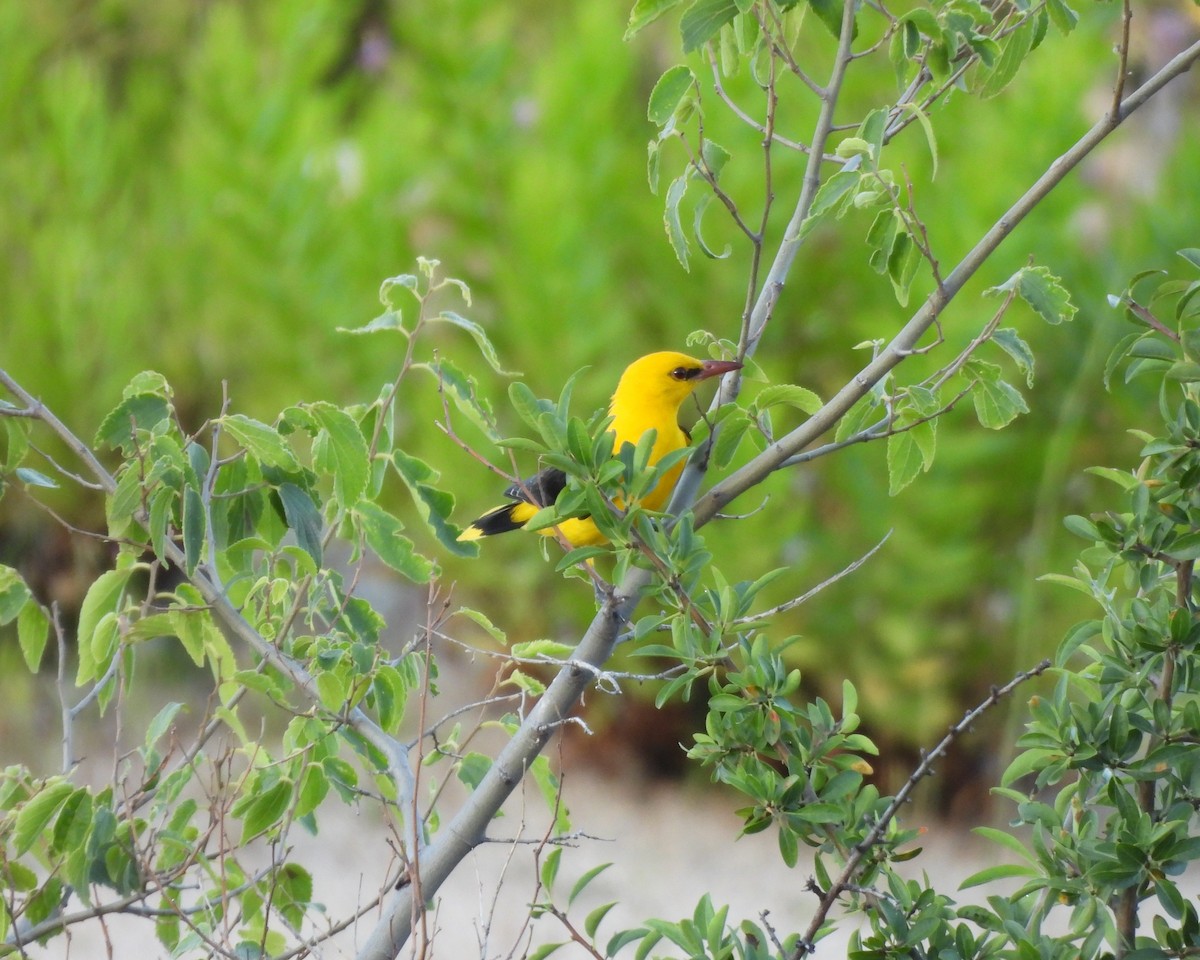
(846, 878)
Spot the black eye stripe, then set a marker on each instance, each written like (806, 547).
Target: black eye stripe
(685, 373)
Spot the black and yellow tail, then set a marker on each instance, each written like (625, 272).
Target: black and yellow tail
(510, 516)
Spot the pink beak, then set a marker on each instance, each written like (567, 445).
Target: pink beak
(716, 368)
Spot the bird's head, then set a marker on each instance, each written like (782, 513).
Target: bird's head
(666, 379)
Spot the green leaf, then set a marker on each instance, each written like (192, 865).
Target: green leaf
(904, 460)
(434, 505)
(388, 320)
(382, 531)
(486, 349)
(1039, 288)
(1008, 340)
(999, 872)
(542, 649)
(550, 788)
(829, 12)
(1082, 527)
(139, 412)
(582, 883)
(101, 600)
(856, 419)
(1063, 16)
(1016, 49)
(14, 595)
(37, 812)
(33, 629)
(550, 867)
(672, 222)
(194, 524)
(997, 403)
(653, 164)
(703, 204)
(672, 87)
(460, 388)
(303, 519)
(593, 920)
(266, 809)
(483, 621)
(927, 129)
(260, 441)
(472, 768)
(789, 394)
(832, 191)
(902, 265)
(704, 20)
(340, 450)
(16, 432)
(645, 12)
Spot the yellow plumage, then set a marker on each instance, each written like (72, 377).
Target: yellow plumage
(647, 397)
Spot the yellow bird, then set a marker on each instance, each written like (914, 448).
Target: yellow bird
(647, 397)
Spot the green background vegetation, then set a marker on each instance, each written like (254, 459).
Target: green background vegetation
(211, 189)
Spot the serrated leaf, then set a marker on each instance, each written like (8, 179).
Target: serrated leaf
(1008, 340)
(704, 20)
(140, 412)
(340, 449)
(671, 88)
(382, 531)
(1039, 288)
(434, 505)
(260, 440)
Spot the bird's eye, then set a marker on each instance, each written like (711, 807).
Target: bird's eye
(680, 373)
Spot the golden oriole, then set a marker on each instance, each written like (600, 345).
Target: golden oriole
(647, 398)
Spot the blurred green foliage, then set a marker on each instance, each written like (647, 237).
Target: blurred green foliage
(211, 189)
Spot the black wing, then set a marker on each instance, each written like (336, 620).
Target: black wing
(542, 489)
